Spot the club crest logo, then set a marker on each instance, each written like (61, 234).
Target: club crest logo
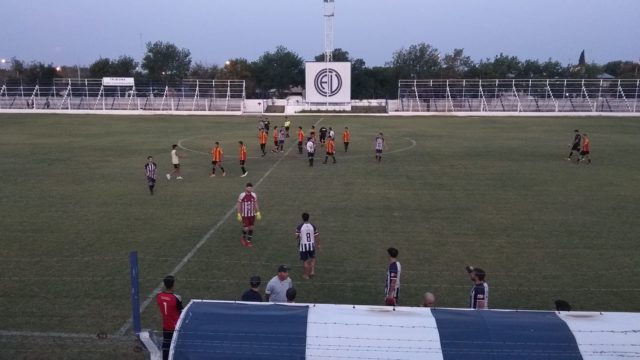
(328, 82)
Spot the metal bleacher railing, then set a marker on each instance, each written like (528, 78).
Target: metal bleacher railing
(516, 95)
(91, 94)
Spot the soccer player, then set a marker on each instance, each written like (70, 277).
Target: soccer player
(479, 297)
(331, 150)
(323, 135)
(243, 158)
(586, 145)
(379, 145)
(150, 169)
(248, 212)
(216, 159)
(276, 290)
(287, 125)
(170, 305)
(312, 132)
(346, 137)
(253, 294)
(307, 236)
(311, 150)
(175, 160)
(276, 134)
(262, 139)
(300, 139)
(392, 286)
(267, 124)
(575, 145)
(332, 133)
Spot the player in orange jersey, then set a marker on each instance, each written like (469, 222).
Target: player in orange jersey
(262, 138)
(276, 133)
(243, 158)
(331, 150)
(300, 139)
(216, 159)
(586, 148)
(346, 137)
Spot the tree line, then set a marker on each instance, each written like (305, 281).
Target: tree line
(275, 72)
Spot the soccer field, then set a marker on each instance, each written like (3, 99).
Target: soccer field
(497, 193)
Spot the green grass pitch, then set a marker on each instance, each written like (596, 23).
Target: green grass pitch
(497, 193)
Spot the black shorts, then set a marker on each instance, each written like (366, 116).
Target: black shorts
(176, 166)
(310, 155)
(299, 143)
(150, 180)
(214, 163)
(306, 255)
(378, 151)
(323, 137)
(584, 152)
(575, 148)
(329, 153)
(242, 162)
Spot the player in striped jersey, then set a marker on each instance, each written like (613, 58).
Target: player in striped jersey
(216, 159)
(392, 285)
(379, 145)
(150, 169)
(248, 212)
(311, 150)
(243, 158)
(479, 297)
(308, 241)
(331, 150)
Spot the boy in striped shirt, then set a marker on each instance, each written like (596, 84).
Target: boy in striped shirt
(307, 235)
(150, 169)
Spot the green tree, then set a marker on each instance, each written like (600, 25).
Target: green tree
(100, 68)
(202, 71)
(279, 70)
(124, 66)
(337, 55)
(456, 64)
(165, 62)
(239, 69)
(421, 61)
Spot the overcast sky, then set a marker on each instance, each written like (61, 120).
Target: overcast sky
(68, 32)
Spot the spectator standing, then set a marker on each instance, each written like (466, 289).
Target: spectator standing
(428, 300)
(150, 170)
(170, 305)
(277, 287)
(253, 294)
(248, 212)
(308, 241)
(392, 286)
(291, 295)
(479, 297)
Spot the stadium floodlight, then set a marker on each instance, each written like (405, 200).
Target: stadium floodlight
(329, 14)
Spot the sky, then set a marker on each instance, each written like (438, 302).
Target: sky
(78, 32)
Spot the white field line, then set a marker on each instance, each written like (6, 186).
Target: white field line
(200, 243)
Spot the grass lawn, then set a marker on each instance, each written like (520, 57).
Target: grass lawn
(496, 193)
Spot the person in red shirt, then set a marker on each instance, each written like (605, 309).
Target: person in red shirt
(216, 159)
(346, 137)
(170, 305)
(300, 139)
(243, 158)
(331, 150)
(262, 138)
(586, 144)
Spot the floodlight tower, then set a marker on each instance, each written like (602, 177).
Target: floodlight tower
(329, 14)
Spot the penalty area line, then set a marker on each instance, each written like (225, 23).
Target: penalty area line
(195, 249)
